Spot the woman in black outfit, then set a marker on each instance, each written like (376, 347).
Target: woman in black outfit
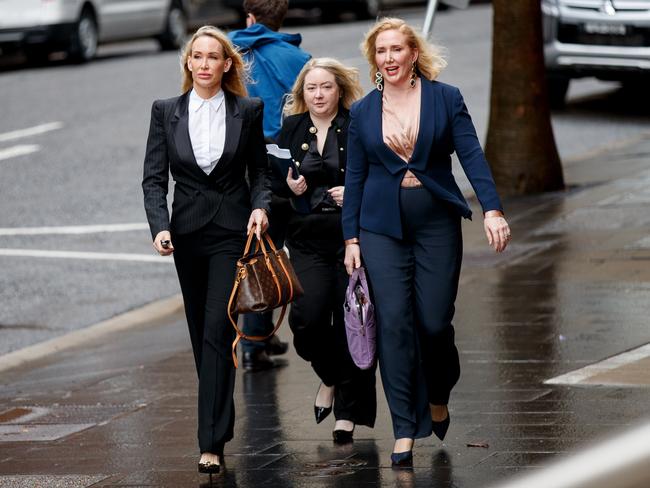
(210, 139)
(315, 132)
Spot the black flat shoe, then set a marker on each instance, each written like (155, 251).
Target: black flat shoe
(321, 413)
(402, 459)
(275, 347)
(440, 428)
(341, 436)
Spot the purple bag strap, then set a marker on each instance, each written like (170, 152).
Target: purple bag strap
(359, 274)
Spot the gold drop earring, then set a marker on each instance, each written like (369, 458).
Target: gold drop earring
(414, 75)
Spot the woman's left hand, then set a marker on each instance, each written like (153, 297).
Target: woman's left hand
(337, 194)
(496, 230)
(260, 221)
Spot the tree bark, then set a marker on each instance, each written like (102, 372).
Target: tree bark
(520, 144)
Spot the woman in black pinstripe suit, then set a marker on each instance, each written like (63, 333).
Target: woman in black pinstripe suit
(210, 138)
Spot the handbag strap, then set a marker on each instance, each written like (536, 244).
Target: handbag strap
(240, 276)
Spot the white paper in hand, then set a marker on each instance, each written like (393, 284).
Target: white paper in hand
(278, 152)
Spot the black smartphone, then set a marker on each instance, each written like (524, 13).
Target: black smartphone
(165, 244)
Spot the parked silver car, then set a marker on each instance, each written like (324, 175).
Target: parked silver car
(78, 26)
(608, 39)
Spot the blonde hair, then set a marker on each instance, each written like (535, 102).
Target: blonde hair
(233, 80)
(347, 79)
(430, 61)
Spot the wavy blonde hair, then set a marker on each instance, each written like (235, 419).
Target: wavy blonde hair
(233, 80)
(430, 61)
(347, 79)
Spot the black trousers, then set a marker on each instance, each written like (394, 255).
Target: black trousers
(205, 262)
(414, 282)
(316, 249)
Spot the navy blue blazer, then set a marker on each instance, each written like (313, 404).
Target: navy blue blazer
(374, 171)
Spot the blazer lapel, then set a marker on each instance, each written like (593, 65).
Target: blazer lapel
(181, 135)
(392, 161)
(233, 129)
(424, 141)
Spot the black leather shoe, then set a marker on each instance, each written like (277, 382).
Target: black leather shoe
(210, 468)
(257, 360)
(341, 436)
(276, 347)
(440, 428)
(321, 413)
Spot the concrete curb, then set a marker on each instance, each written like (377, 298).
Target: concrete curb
(133, 318)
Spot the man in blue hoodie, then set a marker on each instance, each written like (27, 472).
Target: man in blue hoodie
(275, 59)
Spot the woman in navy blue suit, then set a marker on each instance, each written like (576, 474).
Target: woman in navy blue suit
(402, 212)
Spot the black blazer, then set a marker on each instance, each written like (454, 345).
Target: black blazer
(225, 196)
(296, 136)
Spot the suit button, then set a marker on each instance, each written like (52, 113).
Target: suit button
(313, 130)
(338, 130)
(304, 146)
(341, 149)
(342, 170)
(297, 164)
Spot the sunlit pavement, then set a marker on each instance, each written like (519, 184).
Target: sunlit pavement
(571, 291)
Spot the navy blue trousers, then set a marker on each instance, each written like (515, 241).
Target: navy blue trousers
(414, 282)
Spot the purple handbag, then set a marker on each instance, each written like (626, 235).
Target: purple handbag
(359, 316)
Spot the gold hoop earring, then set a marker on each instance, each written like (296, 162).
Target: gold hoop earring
(379, 81)
(414, 76)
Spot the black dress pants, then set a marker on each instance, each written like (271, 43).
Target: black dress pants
(316, 249)
(205, 262)
(414, 282)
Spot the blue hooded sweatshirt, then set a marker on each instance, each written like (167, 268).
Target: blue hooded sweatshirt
(275, 59)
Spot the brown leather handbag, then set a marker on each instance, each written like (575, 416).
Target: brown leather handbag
(264, 281)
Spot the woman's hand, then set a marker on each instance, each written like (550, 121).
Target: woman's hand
(163, 235)
(352, 257)
(496, 230)
(259, 220)
(299, 186)
(337, 194)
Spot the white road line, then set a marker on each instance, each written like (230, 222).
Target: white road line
(583, 374)
(72, 229)
(14, 151)
(31, 131)
(98, 256)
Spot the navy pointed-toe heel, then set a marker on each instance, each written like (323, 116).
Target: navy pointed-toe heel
(402, 459)
(440, 428)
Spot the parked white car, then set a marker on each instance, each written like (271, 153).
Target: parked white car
(40, 27)
(608, 39)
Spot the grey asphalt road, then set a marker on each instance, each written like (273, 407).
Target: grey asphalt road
(85, 168)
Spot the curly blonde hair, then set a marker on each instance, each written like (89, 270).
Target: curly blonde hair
(233, 80)
(430, 61)
(347, 79)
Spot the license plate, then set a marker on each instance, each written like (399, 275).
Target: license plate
(605, 29)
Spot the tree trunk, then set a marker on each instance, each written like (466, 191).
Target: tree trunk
(520, 144)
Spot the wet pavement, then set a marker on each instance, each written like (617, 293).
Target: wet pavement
(571, 291)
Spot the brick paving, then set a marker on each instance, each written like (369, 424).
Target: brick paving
(572, 291)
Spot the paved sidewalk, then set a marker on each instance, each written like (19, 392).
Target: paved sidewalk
(572, 291)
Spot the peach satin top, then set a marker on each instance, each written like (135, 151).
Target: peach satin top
(400, 129)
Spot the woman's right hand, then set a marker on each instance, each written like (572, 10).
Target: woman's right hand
(163, 235)
(299, 186)
(352, 257)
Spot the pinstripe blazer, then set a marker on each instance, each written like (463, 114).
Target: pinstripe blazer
(225, 196)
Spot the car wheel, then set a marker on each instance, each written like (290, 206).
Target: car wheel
(175, 29)
(557, 90)
(369, 9)
(84, 38)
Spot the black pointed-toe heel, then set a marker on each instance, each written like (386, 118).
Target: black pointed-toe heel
(341, 436)
(402, 459)
(210, 468)
(440, 428)
(321, 413)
